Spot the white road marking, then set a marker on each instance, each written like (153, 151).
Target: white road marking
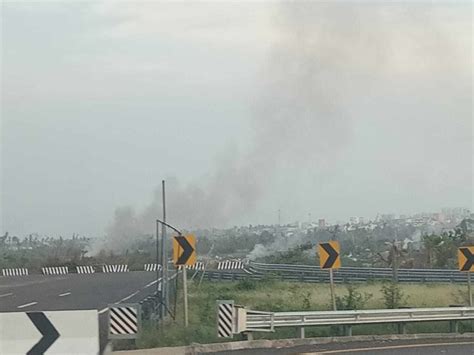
(128, 297)
(133, 294)
(155, 281)
(27, 304)
(151, 283)
(64, 294)
(6, 294)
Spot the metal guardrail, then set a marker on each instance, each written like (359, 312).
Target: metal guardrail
(313, 274)
(313, 318)
(255, 321)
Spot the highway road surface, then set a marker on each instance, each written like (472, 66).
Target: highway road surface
(390, 347)
(75, 292)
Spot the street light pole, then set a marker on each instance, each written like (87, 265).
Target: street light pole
(158, 271)
(164, 261)
(185, 288)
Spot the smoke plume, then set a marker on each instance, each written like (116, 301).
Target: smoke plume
(327, 56)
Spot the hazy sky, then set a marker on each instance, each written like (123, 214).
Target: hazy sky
(336, 109)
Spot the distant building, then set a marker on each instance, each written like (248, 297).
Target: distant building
(321, 223)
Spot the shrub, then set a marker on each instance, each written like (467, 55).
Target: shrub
(246, 285)
(393, 295)
(353, 300)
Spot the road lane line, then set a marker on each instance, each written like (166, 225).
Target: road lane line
(64, 294)
(150, 284)
(6, 294)
(155, 281)
(27, 305)
(389, 347)
(128, 297)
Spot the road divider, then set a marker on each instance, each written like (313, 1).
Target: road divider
(230, 265)
(88, 269)
(199, 265)
(152, 267)
(114, 268)
(55, 270)
(15, 272)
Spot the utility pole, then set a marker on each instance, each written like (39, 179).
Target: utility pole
(164, 260)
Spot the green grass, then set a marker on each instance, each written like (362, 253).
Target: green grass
(269, 295)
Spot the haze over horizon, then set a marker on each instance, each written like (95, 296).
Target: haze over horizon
(332, 109)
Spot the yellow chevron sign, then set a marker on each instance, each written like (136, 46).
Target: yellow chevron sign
(329, 255)
(466, 258)
(184, 250)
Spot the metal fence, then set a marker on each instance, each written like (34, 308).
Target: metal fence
(150, 306)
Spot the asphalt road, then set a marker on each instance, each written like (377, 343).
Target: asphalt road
(392, 347)
(75, 292)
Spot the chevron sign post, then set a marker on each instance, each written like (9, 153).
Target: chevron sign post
(184, 254)
(466, 264)
(330, 258)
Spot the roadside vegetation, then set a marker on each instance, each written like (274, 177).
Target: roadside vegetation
(359, 248)
(270, 295)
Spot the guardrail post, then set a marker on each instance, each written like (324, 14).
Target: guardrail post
(347, 330)
(454, 326)
(301, 331)
(402, 328)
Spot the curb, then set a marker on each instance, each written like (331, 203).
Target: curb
(195, 348)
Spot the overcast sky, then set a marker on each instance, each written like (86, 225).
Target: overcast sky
(330, 109)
